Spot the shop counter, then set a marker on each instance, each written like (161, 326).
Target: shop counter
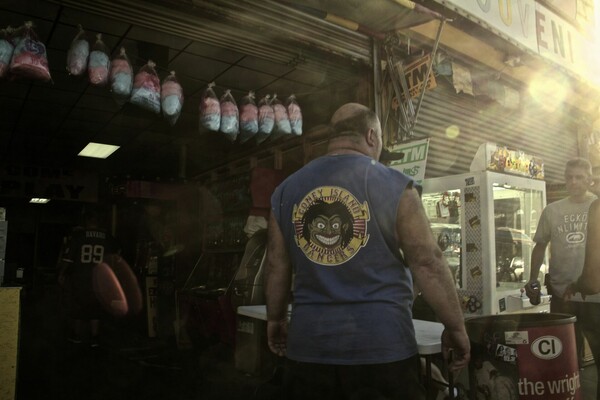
(10, 311)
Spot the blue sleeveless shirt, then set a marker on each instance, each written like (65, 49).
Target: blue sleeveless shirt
(352, 293)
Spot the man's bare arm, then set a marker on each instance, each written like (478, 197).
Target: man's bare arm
(429, 268)
(431, 273)
(278, 279)
(537, 258)
(589, 282)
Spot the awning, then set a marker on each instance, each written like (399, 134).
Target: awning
(380, 16)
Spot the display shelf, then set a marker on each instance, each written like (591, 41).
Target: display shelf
(484, 223)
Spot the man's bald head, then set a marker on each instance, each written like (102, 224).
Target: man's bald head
(353, 119)
(347, 111)
(359, 124)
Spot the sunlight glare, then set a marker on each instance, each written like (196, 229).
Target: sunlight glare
(548, 92)
(452, 132)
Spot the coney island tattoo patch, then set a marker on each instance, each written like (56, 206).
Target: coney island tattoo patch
(330, 225)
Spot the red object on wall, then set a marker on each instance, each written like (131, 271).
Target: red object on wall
(263, 182)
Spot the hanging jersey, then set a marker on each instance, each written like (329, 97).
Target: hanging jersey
(88, 247)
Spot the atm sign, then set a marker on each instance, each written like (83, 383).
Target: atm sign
(415, 73)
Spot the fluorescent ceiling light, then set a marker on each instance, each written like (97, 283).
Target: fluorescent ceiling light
(39, 200)
(97, 150)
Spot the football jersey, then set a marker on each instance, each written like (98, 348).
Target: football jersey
(88, 247)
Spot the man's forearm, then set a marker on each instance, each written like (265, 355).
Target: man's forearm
(437, 287)
(278, 274)
(277, 293)
(537, 259)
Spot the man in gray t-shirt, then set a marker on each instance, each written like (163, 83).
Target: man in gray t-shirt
(563, 225)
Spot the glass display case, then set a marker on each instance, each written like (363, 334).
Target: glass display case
(484, 223)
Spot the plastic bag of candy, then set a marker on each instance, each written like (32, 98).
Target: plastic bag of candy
(229, 116)
(121, 77)
(29, 58)
(77, 56)
(99, 64)
(210, 110)
(294, 114)
(146, 88)
(248, 117)
(171, 98)
(6, 50)
(266, 119)
(282, 121)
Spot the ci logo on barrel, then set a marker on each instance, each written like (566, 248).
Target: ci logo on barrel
(547, 347)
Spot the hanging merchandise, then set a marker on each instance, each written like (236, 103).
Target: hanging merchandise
(294, 114)
(229, 116)
(121, 77)
(99, 63)
(248, 117)
(282, 121)
(171, 98)
(6, 50)
(266, 119)
(77, 56)
(29, 58)
(210, 110)
(146, 88)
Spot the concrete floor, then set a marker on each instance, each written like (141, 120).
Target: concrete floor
(129, 365)
(588, 382)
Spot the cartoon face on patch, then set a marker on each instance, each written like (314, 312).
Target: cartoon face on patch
(330, 225)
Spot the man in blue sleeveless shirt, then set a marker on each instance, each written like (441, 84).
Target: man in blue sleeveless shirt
(353, 234)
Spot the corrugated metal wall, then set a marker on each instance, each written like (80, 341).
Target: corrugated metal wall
(262, 28)
(549, 135)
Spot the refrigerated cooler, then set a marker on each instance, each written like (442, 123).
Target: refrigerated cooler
(484, 223)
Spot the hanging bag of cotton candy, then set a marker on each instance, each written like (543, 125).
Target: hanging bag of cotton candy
(282, 121)
(99, 64)
(266, 119)
(210, 110)
(146, 88)
(78, 54)
(121, 77)
(248, 117)
(29, 58)
(171, 98)
(6, 50)
(295, 115)
(229, 116)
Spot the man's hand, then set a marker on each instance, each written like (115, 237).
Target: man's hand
(277, 336)
(457, 343)
(533, 291)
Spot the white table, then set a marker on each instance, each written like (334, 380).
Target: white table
(427, 333)
(429, 343)
(258, 312)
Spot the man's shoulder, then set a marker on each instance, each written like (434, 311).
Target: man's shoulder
(568, 203)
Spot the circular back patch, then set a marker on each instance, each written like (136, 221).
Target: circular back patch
(330, 225)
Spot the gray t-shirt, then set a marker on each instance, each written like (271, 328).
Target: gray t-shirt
(563, 224)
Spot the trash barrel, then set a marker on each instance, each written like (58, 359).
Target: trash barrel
(523, 356)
